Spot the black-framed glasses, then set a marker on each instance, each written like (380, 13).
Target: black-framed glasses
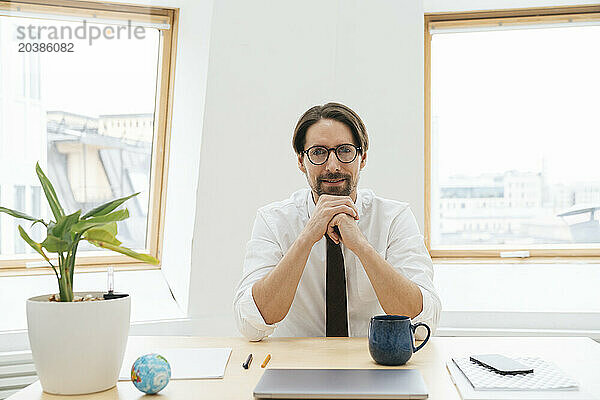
(345, 153)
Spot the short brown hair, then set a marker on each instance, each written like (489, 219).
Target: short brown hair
(335, 111)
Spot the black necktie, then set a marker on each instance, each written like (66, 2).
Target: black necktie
(336, 320)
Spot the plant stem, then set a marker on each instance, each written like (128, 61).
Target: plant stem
(73, 253)
(54, 269)
(64, 287)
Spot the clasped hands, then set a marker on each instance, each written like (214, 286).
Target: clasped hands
(331, 212)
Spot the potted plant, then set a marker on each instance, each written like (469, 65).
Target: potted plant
(77, 339)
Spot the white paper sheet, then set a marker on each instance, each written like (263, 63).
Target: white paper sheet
(186, 363)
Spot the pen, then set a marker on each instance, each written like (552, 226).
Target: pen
(246, 363)
(267, 358)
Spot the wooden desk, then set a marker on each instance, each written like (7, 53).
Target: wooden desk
(579, 357)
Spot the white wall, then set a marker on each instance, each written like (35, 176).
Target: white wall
(270, 61)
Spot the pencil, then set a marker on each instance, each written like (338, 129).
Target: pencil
(267, 358)
(246, 364)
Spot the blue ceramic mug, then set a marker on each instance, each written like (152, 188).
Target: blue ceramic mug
(391, 339)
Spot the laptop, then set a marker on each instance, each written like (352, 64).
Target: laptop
(341, 384)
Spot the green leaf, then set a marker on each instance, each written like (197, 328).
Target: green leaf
(102, 235)
(93, 222)
(110, 228)
(55, 245)
(34, 245)
(19, 214)
(40, 221)
(62, 228)
(53, 202)
(124, 250)
(107, 207)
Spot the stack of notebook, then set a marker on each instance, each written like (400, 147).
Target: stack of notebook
(475, 382)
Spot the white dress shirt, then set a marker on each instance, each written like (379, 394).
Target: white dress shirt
(389, 226)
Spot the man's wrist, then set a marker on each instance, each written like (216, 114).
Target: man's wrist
(363, 248)
(303, 241)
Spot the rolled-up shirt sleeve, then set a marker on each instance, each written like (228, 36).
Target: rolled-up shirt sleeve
(263, 253)
(407, 253)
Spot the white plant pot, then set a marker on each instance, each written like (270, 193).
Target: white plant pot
(78, 347)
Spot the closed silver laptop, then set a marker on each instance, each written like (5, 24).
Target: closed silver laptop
(341, 384)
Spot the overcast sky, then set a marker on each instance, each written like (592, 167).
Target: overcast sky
(510, 99)
(116, 76)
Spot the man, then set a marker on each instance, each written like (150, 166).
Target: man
(327, 259)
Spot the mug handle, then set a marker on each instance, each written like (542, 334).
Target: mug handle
(414, 328)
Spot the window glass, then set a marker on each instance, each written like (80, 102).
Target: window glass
(20, 205)
(514, 137)
(59, 107)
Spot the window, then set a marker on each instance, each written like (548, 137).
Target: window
(99, 63)
(37, 231)
(19, 205)
(511, 117)
(35, 200)
(34, 72)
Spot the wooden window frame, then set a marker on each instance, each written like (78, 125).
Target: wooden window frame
(471, 19)
(93, 261)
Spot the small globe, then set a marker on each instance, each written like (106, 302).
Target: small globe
(150, 373)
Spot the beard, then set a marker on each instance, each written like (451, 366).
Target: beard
(342, 190)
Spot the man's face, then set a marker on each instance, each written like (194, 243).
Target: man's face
(333, 177)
